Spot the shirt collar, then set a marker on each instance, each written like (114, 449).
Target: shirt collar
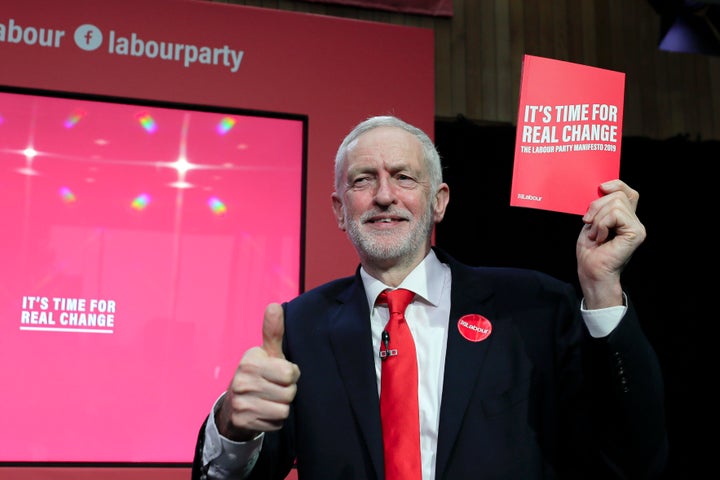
(426, 281)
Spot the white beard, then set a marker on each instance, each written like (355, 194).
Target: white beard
(390, 245)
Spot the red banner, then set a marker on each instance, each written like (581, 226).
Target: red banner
(435, 8)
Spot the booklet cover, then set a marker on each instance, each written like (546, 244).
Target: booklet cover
(569, 132)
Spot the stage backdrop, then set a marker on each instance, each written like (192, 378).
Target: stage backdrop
(333, 72)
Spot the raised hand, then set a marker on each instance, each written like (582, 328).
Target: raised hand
(259, 395)
(611, 234)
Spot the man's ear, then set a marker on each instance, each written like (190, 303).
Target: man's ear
(440, 202)
(337, 206)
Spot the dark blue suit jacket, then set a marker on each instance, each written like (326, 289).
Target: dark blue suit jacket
(538, 399)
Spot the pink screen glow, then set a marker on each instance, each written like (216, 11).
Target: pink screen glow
(139, 247)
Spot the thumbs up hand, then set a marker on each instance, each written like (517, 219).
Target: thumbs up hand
(259, 395)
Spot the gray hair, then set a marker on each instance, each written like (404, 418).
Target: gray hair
(430, 153)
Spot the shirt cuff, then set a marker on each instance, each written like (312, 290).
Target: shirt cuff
(602, 321)
(225, 458)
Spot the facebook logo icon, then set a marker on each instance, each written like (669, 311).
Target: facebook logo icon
(88, 37)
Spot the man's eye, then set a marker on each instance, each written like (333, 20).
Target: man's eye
(360, 182)
(405, 180)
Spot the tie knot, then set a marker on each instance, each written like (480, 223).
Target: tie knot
(397, 300)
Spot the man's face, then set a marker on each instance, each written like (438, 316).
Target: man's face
(385, 203)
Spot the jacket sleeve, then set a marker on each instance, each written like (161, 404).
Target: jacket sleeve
(630, 407)
(198, 472)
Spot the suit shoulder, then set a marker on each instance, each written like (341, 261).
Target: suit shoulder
(324, 292)
(502, 276)
(513, 275)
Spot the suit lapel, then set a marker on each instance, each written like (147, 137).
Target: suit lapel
(465, 359)
(351, 340)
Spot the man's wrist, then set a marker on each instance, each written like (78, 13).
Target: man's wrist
(225, 426)
(603, 295)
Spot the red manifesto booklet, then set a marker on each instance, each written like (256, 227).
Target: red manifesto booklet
(569, 132)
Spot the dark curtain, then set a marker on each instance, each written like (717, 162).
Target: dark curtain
(671, 277)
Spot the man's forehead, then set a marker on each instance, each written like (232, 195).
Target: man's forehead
(386, 143)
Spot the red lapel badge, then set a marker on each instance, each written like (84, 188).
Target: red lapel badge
(474, 327)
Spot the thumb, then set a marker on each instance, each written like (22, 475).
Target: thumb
(273, 329)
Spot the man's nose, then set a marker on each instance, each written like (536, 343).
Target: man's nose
(385, 190)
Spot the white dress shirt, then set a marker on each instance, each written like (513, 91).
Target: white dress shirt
(427, 316)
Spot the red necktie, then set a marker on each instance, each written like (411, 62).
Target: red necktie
(399, 409)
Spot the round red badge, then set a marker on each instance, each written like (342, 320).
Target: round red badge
(474, 327)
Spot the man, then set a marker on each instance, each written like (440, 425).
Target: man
(556, 389)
